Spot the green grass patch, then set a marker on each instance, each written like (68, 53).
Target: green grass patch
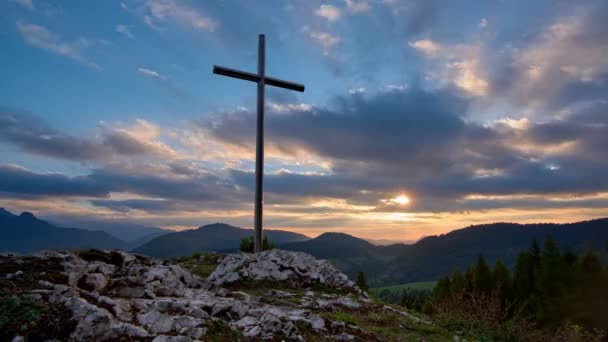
(343, 316)
(201, 264)
(219, 331)
(421, 285)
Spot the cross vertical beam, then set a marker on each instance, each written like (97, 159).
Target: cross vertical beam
(259, 150)
(262, 80)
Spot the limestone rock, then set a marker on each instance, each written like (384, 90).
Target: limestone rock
(279, 265)
(120, 296)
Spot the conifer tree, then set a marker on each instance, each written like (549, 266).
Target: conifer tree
(361, 281)
(482, 276)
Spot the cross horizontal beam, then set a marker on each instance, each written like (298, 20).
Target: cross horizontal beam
(255, 78)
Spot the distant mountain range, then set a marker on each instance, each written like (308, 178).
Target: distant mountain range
(26, 234)
(133, 233)
(213, 237)
(435, 256)
(427, 259)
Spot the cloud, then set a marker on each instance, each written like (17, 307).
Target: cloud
(33, 135)
(357, 6)
(567, 54)
(460, 65)
(416, 141)
(326, 40)
(329, 12)
(161, 11)
(26, 3)
(151, 73)
(40, 37)
(22, 182)
(426, 46)
(101, 183)
(125, 31)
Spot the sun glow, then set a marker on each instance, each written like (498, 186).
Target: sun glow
(401, 200)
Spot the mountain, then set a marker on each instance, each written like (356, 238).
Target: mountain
(213, 237)
(435, 256)
(350, 254)
(135, 234)
(26, 234)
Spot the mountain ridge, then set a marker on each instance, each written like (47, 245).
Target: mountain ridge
(211, 237)
(25, 233)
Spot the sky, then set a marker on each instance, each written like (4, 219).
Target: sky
(419, 116)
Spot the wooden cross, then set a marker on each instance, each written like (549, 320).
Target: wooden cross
(261, 79)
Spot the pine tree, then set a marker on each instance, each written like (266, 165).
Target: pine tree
(552, 281)
(523, 277)
(443, 288)
(482, 277)
(458, 282)
(501, 278)
(361, 281)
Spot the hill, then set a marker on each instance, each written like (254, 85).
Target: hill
(350, 254)
(436, 256)
(26, 233)
(213, 237)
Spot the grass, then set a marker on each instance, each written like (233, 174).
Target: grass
(201, 264)
(343, 316)
(421, 285)
(219, 331)
(35, 320)
(381, 325)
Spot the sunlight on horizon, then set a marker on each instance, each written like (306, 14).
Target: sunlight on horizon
(401, 200)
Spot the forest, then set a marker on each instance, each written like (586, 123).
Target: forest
(549, 294)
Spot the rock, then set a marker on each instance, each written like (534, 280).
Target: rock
(348, 302)
(270, 323)
(165, 338)
(252, 331)
(156, 322)
(93, 282)
(120, 296)
(220, 307)
(14, 275)
(317, 323)
(246, 322)
(344, 337)
(279, 265)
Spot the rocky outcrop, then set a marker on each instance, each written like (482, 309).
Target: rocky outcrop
(298, 268)
(117, 295)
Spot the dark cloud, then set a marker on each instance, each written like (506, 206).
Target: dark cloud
(16, 180)
(148, 205)
(33, 135)
(203, 188)
(416, 141)
(388, 126)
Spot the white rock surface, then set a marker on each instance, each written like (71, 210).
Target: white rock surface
(280, 265)
(116, 295)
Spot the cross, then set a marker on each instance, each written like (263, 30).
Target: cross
(261, 79)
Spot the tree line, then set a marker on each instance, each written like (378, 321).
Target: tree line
(548, 289)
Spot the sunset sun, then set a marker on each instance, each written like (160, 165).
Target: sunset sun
(401, 200)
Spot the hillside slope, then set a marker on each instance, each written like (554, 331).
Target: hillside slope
(436, 256)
